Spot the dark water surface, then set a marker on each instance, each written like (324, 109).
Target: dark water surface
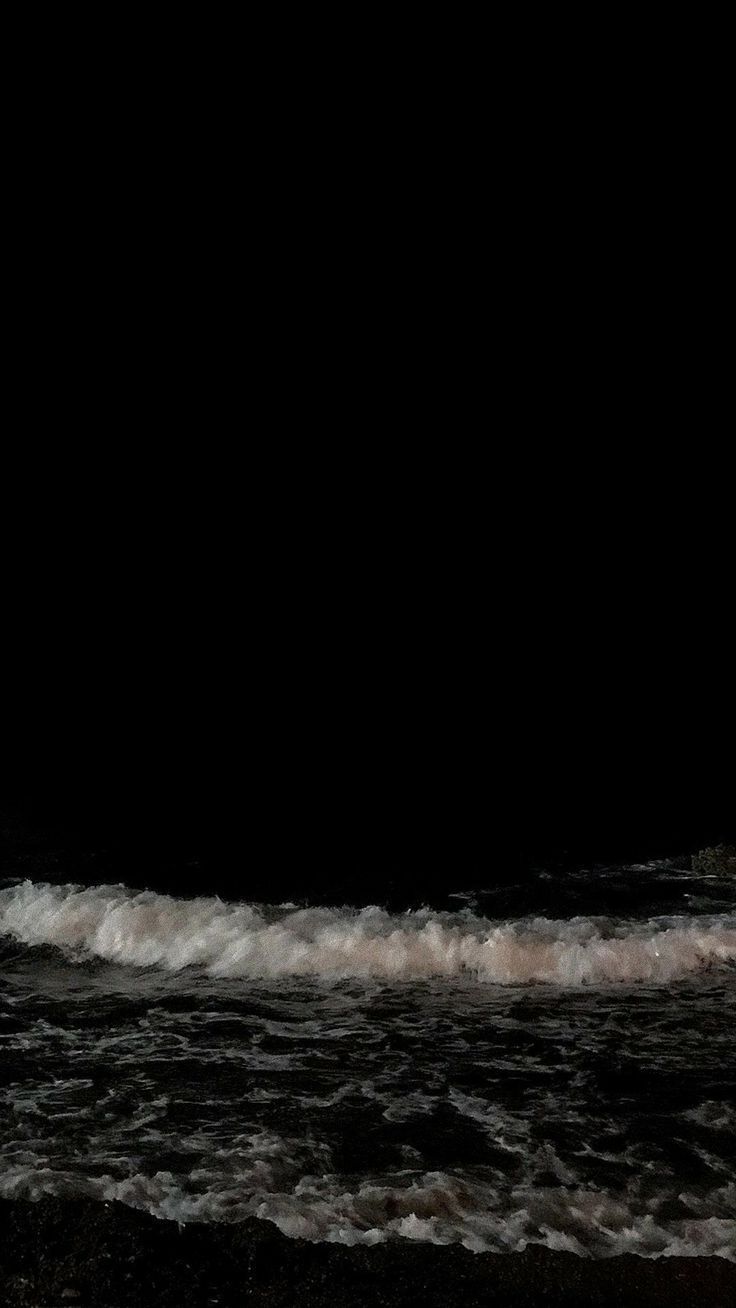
(536, 1063)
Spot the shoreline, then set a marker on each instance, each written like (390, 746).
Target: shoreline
(58, 1252)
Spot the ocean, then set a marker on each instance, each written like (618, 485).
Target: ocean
(544, 1063)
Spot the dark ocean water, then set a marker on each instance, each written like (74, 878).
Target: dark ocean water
(551, 1062)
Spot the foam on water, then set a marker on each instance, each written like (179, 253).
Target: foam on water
(247, 940)
(259, 1180)
(359, 1076)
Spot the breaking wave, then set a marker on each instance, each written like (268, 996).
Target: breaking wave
(435, 1207)
(257, 941)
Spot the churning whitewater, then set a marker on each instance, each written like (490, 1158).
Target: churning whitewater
(355, 1075)
(257, 941)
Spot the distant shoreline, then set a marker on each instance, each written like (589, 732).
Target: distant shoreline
(58, 1252)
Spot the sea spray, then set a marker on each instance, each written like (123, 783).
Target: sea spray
(251, 941)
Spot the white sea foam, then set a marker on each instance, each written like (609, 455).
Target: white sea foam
(434, 1207)
(246, 940)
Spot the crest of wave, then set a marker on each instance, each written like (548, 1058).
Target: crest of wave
(245, 940)
(435, 1207)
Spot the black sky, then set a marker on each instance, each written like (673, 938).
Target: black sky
(322, 697)
(200, 772)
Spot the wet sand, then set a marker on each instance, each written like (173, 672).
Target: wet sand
(57, 1253)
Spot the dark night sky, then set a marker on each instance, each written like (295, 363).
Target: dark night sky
(338, 702)
(237, 780)
(275, 596)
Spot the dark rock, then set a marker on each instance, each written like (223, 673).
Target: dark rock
(719, 858)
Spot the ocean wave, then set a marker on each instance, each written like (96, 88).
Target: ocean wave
(256, 941)
(432, 1207)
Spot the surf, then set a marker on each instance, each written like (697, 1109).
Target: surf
(241, 940)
